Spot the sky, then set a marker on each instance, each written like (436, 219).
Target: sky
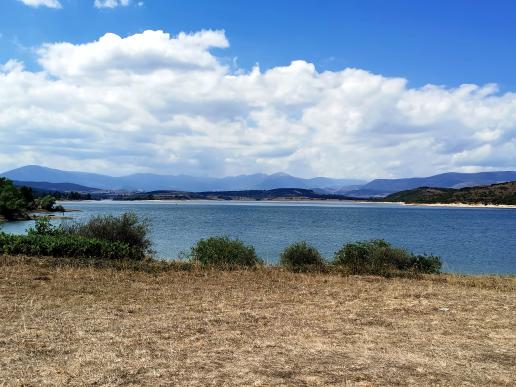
(349, 89)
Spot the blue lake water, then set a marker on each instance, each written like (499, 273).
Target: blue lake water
(470, 240)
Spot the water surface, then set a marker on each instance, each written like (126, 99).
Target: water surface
(470, 240)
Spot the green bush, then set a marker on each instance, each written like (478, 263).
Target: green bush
(44, 227)
(61, 245)
(127, 239)
(59, 208)
(300, 256)
(126, 228)
(223, 252)
(46, 203)
(429, 264)
(378, 257)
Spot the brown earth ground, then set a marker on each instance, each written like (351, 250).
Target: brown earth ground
(73, 325)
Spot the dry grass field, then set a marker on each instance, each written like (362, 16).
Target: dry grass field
(72, 325)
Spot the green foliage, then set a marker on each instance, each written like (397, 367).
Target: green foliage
(16, 202)
(378, 257)
(44, 227)
(126, 228)
(27, 195)
(13, 201)
(429, 264)
(59, 208)
(104, 237)
(300, 256)
(62, 245)
(501, 193)
(46, 203)
(223, 252)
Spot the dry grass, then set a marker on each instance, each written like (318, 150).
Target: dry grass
(66, 325)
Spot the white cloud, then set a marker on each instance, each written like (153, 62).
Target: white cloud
(42, 3)
(111, 3)
(155, 102)
(140, 53)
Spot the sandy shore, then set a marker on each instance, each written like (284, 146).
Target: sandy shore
(458, 205)
(299, 201)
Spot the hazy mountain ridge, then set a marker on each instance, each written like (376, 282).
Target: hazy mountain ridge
(445, 180)
(384, 187)
(152, 182)
(146, 182)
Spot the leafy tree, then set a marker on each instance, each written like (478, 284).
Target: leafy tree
(13, 202)
(28, 196)
(46, 203)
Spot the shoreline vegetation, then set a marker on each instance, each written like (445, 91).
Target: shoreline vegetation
(125, 237)
(22, 203)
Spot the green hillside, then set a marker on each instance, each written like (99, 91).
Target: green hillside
(502, 193)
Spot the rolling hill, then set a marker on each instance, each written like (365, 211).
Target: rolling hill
(502, 193)
(383, 187)
(54, 187)
(272, 194)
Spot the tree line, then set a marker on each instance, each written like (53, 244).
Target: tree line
(18, 202)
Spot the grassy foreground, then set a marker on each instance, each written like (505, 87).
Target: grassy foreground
(86, 325)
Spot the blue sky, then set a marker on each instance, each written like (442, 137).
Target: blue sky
(439, 42)
(336, 88)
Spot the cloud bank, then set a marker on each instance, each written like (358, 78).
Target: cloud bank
(161, 103)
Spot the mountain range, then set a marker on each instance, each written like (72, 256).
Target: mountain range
(39, 177)
(152, 182)
(444, 180)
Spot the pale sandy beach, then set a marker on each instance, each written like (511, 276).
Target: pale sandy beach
(460, 205)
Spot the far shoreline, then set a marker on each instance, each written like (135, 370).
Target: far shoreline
(458, 205)
(298, 201)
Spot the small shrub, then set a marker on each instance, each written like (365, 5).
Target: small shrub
(126, 228)
(300, 256)
(223, 252)
(378, 257)
(59, 208)
(429, 264)
(44, 227)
